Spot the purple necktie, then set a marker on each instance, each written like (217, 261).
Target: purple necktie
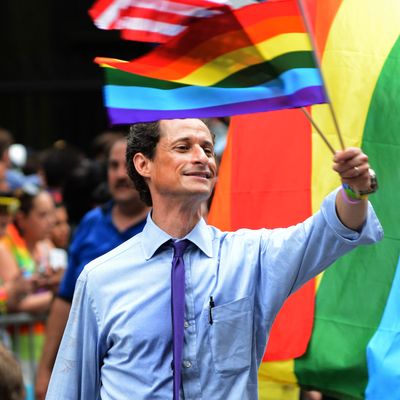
(178, 310)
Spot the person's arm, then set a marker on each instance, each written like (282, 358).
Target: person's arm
(76, 372)
(9, 272)
(55, 326)
(352, 166)
(13, 291)
(35, 303)
(8, 266)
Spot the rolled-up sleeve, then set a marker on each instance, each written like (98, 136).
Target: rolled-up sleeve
(76, 370)
(370, 233)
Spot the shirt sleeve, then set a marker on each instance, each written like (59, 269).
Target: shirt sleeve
(292, 256)
(74, 267)
(76, 371)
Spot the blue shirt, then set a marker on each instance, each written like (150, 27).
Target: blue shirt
(95, 236)
(118, 340)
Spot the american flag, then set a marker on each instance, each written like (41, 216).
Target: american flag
(156, 21)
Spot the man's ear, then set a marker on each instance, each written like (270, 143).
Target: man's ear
(142, 164)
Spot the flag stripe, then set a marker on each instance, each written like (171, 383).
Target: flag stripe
(144, 36)
(384, 349)
(150, 26)
(220, 214)
(107, 14)
(124, 15)
(209, 73)
(174, 62)
(324, 19)
(309, 95)
(250, 76)
(100, 7)
(266, 71)
(215, 71)
(191, 97)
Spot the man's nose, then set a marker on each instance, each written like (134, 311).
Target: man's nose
(199, 154)
(121, 170)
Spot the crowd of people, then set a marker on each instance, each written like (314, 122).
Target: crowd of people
(78, 243)
(58, 207)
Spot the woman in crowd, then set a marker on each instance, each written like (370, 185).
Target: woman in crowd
(61, 231)
(27, 248)
(16, 287)
(26, 241)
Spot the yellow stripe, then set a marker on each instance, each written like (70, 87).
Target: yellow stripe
(360, 39)
(229, 63)
(277, 381)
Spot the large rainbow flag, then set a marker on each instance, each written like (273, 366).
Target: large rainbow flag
(359, 41)
(255, 58)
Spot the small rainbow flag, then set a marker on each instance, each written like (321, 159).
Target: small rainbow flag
(255, 58)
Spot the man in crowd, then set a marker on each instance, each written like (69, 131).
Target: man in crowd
(101, 229)
(141, 328)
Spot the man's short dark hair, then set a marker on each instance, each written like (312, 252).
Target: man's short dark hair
(142, 138)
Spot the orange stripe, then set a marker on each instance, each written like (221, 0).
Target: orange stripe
(220, 211)
(325, 16)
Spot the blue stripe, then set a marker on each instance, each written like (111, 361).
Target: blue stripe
(191, 97)
(383, 350)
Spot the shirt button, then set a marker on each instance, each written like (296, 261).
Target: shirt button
(186, 324)
(187, 364)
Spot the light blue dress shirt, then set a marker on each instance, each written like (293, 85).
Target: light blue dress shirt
(118, 341)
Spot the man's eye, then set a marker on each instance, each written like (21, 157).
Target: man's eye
(182, 147)
(209, 152)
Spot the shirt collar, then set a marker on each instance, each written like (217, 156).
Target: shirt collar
(154, 237)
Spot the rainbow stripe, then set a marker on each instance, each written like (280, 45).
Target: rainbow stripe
(256, 58)
(17, 246)
(360, 47)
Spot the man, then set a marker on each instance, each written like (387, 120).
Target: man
(126, 337)
(101, 229)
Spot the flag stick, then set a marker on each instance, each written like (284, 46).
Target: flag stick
(323, 137)
(316, 58)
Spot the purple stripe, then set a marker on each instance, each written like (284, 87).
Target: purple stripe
(302, 98)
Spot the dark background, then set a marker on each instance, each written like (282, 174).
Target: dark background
(50, 88)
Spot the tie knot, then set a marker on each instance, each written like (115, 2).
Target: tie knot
(180, 247)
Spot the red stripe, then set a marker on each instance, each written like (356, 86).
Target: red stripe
(99, 7)
(157, 16)
(220, 214)
(144, 36)
(271, 181)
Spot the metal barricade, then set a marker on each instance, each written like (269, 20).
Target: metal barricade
(11, 327)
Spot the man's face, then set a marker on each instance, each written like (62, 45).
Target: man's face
(119, 184)
(184, 163)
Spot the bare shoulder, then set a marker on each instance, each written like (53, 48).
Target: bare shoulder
(8, 265)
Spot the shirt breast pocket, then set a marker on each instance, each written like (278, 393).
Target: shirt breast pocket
(231, 336)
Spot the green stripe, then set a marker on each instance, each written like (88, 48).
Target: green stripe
(353, 293)
(269, 70)
(250, 76)
(122, 78)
